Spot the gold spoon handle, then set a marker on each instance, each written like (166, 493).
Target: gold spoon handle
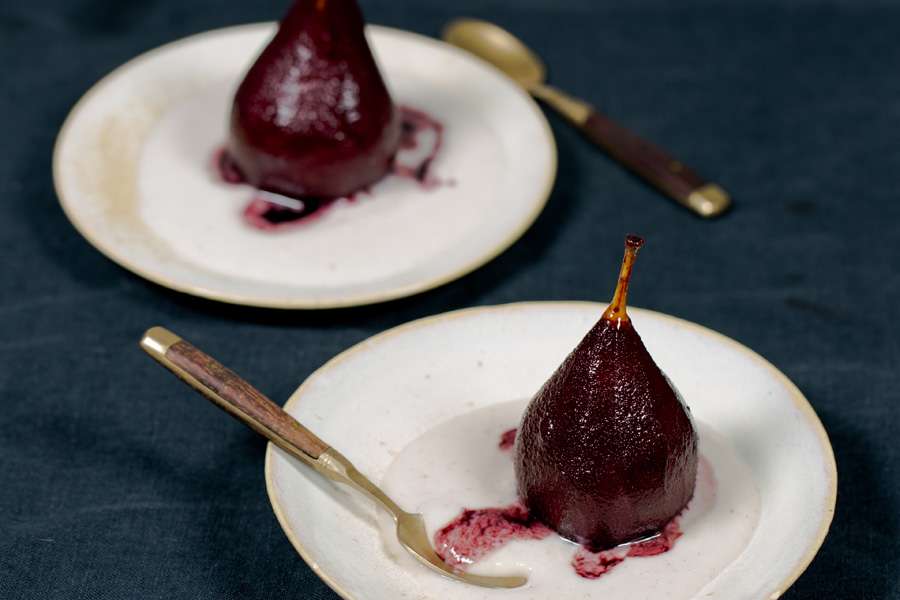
(227, 390)
(240, 399)
(667, 174)
(230, 392)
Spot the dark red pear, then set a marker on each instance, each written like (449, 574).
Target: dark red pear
(313, 117)
(606, 451)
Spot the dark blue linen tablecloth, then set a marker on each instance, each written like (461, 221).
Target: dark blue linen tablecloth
(115, 483)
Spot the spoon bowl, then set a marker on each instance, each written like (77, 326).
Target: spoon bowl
(672, 177)
(498, 47)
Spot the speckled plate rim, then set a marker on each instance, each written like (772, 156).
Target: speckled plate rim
(159, 278)
(797, 398)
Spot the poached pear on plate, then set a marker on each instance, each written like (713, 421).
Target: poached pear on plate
(607, 450)
(313, 117)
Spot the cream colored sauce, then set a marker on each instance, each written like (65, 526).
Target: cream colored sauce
(458, 464)
(385, 233)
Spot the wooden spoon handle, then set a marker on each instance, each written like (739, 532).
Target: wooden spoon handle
(230, 392)
(650, 162)
(645, 158)
(655, 165)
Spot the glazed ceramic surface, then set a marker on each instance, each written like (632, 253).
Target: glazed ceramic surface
(133, 168)
(374, 400)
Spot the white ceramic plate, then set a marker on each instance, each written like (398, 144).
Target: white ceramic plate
(374, 399)
(132, 168)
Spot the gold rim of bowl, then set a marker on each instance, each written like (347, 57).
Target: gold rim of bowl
(797, 398)
(160, 278)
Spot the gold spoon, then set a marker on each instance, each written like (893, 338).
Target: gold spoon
(248, 405)
(670, 176)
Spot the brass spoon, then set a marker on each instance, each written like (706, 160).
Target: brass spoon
(670, 176)
(242, 401)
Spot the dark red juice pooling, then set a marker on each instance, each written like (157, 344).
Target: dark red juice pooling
(477, 532)
(592, 564)
(507, 439)
(421, 139)
(267, 215)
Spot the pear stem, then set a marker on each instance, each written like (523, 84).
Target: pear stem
(616, 311)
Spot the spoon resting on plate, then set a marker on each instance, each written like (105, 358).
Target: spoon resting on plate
(241, 400)
(670, 176)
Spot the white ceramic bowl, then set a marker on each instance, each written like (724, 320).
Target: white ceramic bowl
(132, 168)
(375, 398)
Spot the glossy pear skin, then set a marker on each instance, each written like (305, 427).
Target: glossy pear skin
(313, 117)
(606, 451)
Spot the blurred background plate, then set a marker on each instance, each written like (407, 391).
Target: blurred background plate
(133, 169)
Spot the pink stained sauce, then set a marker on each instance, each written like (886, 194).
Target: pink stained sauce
(421, 139)
(477, 532)
(269, 216)
(415, 156)
(591, 565)
(507, 439)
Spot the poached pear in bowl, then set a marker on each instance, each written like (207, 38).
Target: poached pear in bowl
(426, 405)
(313, 117)
(607, 452)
